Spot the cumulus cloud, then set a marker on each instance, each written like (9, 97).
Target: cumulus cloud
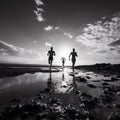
(11, 50)
(102, 34)
(39, 15)
(68, 35)
(48, 44)
(39, 11)
(39, 2)
(34, 41)
(48, 28)
(57, 28)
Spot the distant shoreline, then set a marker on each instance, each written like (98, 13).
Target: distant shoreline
(44, 65)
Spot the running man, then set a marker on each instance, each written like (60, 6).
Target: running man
(73, 59)
(50, 53)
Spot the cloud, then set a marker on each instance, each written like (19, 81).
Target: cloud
(39, 2)
(102, 34)
(11, 50)
(68, 35)
(39, 15)
(39, 11)
(48, 28)
(102, 51)
(34, 42)
(48, 44)
(57, 28)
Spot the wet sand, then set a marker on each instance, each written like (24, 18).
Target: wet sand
(81, 94)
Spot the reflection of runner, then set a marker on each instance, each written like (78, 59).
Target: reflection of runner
(50, 53)
(63, 61)
(74, 55)
(63, 77)
(50, 84)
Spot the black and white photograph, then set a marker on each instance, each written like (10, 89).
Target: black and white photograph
(59, 59)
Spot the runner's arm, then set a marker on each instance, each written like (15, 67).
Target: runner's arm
(54, 53)
(48, 53)
(76, 55)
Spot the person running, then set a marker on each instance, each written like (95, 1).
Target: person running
(50, 53)
(63, 61)
(73, 59)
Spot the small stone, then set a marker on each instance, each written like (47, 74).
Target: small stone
(91, 85)
(114, 79)
(105, 83)
(118, 93)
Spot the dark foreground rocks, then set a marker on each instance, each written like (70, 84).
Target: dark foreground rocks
(42, 109)
(88, 108)
(103, 107)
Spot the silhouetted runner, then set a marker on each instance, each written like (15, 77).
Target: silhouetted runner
(74, 55)
(50, 53)
(63, 61)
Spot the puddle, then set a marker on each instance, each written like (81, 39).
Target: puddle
(61, 84)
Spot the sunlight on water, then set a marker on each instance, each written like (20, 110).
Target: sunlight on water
(61, 83)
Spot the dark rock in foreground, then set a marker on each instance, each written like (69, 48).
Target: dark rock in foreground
(91, 85)
(81, 79)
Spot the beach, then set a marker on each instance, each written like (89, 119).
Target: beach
(60, 94)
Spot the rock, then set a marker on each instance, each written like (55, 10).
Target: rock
(91, 85)
(118, 76)
(24, 115)
(97, 81)
(88, 77)
(106, 75)
(108, 106)
(55, 101)
(8, 108)
(78, 92)
(80, 79)
(40, 116)
(64, 86)
(72, 112)
(85, 95)
(41, 97)
(107, 98)
(92, 116)
(96, 75)
(118, 93)
(90, 104)
(16, 100)
(38, 94)
(47, 90)
(114, 116)
(30, 107)
(96, 99)
(116, 105)
(105, 83)
(114, 79)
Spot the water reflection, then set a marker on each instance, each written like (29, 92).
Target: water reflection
(58, 83)
(50, 84)
(67, 83)
(63, 76)
(74, 80)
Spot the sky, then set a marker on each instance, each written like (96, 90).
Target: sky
(28, 28)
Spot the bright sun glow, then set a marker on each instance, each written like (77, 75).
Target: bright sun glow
(64, 52)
